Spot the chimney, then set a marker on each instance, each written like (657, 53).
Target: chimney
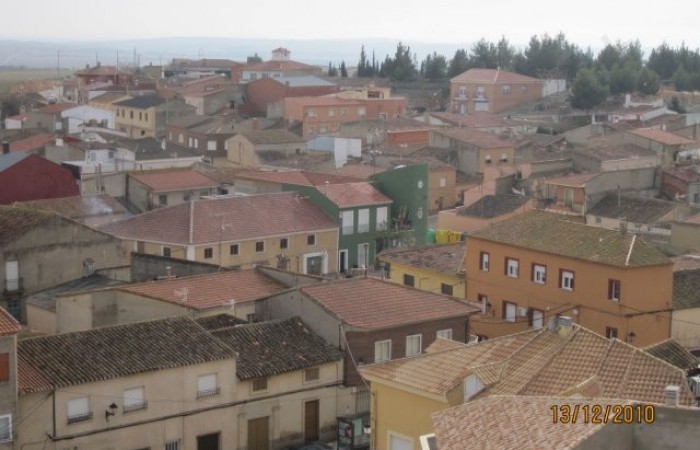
(168, 272)
(256, 124)
(5, 147)
(564, 326)
(671, 395)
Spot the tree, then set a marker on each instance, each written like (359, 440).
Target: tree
(505, 53)
(663, 61)
(364, 69)
(434, 67)
(609, 57)
(587, 92)
(343, 70)
(682, 80)
(400, 68)
(623, 79)
(484, 55)
(458, 64)
(648, 82)
(332, 70)
(676, 106)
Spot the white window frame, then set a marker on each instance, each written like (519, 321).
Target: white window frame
(512, 267)
(567, 280)
(12, 275)
(211, 145)
(6, 431)
(414, 345)
(382, 217)
(134, 399)
(539, 274)
(445, 334)
(382, 351)
(207, 385)
(484, 261)
(510, 311)
(363, 220)
(348, 222)
(614, 294)
(78, 409)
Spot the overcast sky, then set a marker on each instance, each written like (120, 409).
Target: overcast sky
(586, 23)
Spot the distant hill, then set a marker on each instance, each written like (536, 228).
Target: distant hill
(35, 54)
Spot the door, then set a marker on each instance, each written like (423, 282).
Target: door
(362, 254)
(537, 318)
(208, 441)
(258, 434)
(11, 276)
(314, 265)
(311, 421)
(342, 260)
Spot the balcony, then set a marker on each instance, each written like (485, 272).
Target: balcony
(135, 407)
(80, 418)
(209, 392)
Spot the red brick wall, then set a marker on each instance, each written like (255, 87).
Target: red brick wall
(361, 344)
(35, 178)
(260, 93)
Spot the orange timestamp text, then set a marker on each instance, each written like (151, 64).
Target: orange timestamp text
(603, 414)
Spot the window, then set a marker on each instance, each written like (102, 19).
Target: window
(614, 290)
(284, 243)
(260, 246)
(4, 366)
(382, 351)
(472, 386)
(145, 116)
(162, 199)
(140, 115)
(535, 318)
(443, 181)
(5, 428)
(166, 252)
(259, 384)
(187, 196)
(512, 266)
(610, 332)
(250, 318)
(539, 273)
(362, 111)
(504, 157)
(382, 218)
(211, 145)
(445, 334)
(310, 112)
(134, 399)
(696, 197)
(79, 410)
(172, 445)
(488, 159)
(312, 374)
(343, 111)
(131, 114)
(331, 112)
(446, 289)
(180, 138)
(233, 249)
(208, 253)
(484, 261)
(505, 89)
(409, 280)
(509, 311)
(413, 345)
(348, 222)
(311, 239)
(207, 385)
(363, 220)
(566, 278)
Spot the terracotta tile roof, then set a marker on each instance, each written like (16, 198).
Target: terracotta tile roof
(199, 222)
(490, 206)
(174, 180)
(281, 66)
(276, 347)
(208, 291)
(272, 137)
(632, 208)
(351, 195)
(446, 259)
(663, 137)
(605, 150)
(384, 304)
(112, 352)
(77, 207)
(689, 174)
(441, 344)
(513, 423)
(671, 351)
(493, 76)
(574, 180)
(477, 138)
(15, 222)
(219, 321)
(686, 289)
(31, 143)
(8, 324)
(541, 362)
(57, 108)
(363, 171)
(551, 233)
(476, 120)
(326, 100)
(142, 102)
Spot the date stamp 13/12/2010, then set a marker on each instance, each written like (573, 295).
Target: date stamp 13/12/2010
(603, 414)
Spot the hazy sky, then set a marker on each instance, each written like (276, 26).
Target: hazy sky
(586, 23)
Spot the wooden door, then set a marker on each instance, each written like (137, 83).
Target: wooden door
(259, 434)
(311, 420)
(208, 441)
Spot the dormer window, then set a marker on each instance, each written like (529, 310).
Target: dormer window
(472, 386)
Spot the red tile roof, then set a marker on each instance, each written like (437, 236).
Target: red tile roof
(211, 290)
(283, 65)
(493, 76)
(200, 222)
(174, 180)
(479, 138)
(57, 108)
(576, 180)
(363, 171)
(351, 195)
(8, 324)
(661, 136)
(327, 100)
(476, 120)
(31, 143)
(300, 178)
(371, 303)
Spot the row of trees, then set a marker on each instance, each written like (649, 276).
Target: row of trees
(620, 67)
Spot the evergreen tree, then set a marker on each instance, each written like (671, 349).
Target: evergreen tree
(343, 70)
(458, 64)
(587, 92)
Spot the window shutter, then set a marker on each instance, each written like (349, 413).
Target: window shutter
(610, 289)
(572, 283)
